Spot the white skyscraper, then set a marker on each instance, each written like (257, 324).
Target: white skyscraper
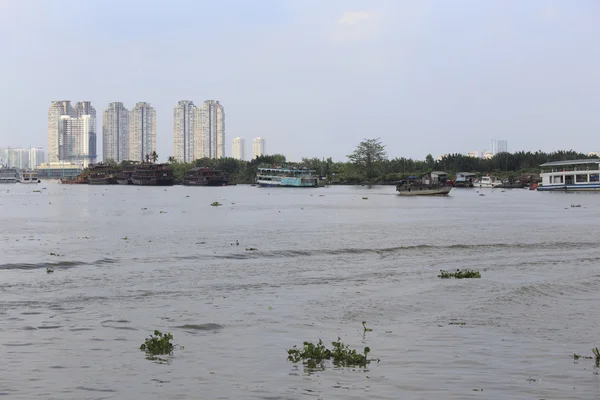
(55, 136)
(210, 140)
(258, 147)
(142, 131)
(72, 133)
(115, 133)
(237, 149)
(185, 128)
(502, 146)
(36, 157)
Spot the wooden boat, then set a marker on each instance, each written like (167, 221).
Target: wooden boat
(125, 177)
(78, 180)
(102, 174)
(431, 184)
(202, 176)
(153, 175)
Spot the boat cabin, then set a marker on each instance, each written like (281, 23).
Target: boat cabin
(465, 179)
(571, 175)
(435, 178)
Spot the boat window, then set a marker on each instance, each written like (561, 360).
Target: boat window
(581, 178)
(594, 178)
(558, 179)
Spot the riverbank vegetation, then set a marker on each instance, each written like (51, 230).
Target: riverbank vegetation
(370, 164)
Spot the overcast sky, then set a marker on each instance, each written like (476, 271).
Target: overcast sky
(314, 77)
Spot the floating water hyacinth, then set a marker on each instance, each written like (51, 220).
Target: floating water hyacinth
(464, 274)
(216, 204)
(158, 344)
(314, 355)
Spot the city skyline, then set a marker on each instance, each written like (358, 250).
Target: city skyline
(456, 75)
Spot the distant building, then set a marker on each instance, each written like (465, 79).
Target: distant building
(115, 133)
(210, 137)
(237, 149)
(487, 155)
(58, 170)
(21, 158)
(72, 132)
(474, 154)
(593, 154)
(185, 128)
(142, 131)
(498, 146)
(440, 158)
(258, 147)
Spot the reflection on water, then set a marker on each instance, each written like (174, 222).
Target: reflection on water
(130, 260)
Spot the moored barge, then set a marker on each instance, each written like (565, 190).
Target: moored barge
(202, 176)
(152, 175)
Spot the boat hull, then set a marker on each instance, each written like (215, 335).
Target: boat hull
(153, 182)
(441, 191)
(124, 181)
(569, 188)
(103, 181)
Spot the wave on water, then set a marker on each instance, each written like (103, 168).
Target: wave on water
(58, 264)
(398, 249)
(201, 327)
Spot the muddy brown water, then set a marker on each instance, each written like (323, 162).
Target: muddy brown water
(130, 260)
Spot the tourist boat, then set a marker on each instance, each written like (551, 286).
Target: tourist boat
(203, 176)
(431, 184)
(487, 181)
(102, 174)
(511, 184)
(29, 177)
(8, 175)
(570, 175)
(286, 177)
(78, 180)
(152, 175)
(125, 177)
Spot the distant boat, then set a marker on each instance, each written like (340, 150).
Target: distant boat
(125, 177)
(203, 176)
(570, 175)
(153, 175)
(286, 177)
(8, 175)
(487, 181)
(431, 184)
(102, 174)
(29, 177)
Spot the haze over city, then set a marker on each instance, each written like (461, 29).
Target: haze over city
(314, 77)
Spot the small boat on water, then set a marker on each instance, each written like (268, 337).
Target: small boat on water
(125, 177)
(8, 175)
(511, 184)
(570, 175)
(77, 180)
(153, 175)
(487, 181)
(203, 176)
(286, 177)
(431, 184)
(102, 174)
(29, 176)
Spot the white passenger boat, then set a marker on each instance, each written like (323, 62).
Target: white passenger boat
(286, 177)
(8, 175)
(570, 175)
(487, 182)
(29, 177)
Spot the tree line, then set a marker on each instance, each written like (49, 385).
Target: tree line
(369, 163)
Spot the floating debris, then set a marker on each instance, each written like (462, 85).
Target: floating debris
(158, 344)
(251, 249)
(314, 355)
(125, 238)
(364, 324)
(575, 205)
(365, 198)
(49, 271)
(216, 204)
(55, 254)
(467, 273)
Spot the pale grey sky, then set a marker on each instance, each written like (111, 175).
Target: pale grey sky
(314, 77)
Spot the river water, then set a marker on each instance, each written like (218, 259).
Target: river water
(130, 260)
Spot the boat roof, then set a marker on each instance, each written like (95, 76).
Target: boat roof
(466, 173)
(571, 162)
(439, 173)
(286, 169)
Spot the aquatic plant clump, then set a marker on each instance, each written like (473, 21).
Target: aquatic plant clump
(464, 274)
(312, 355)
(158, 344)
(216, 204)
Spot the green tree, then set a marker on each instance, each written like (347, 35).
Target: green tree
(368, 154)
(154, 156)
(171, 159)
